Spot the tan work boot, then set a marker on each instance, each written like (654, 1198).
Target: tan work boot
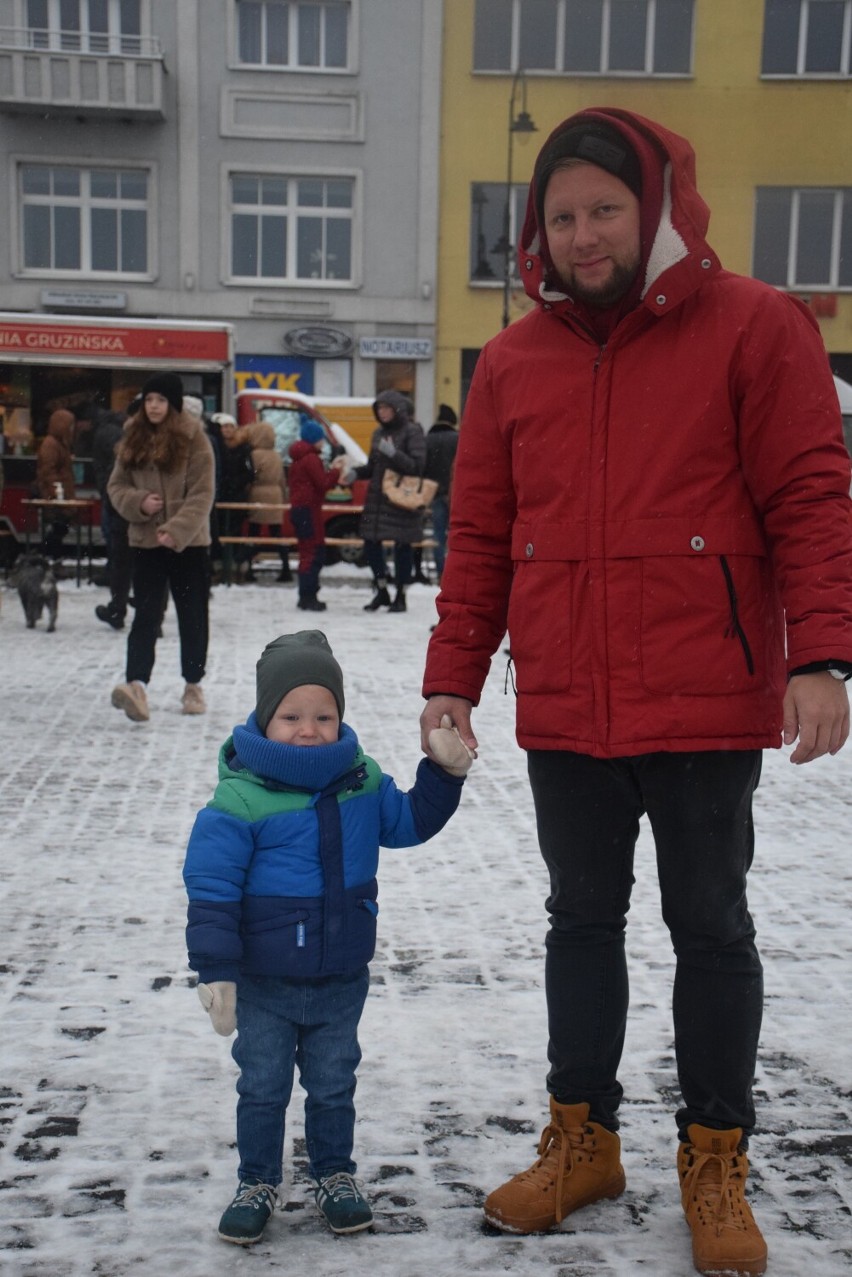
(132, 699)
(578, 1164)
(193, 699)
(713, 1173)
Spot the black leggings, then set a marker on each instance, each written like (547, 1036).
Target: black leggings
(700, 809)
(187, 576)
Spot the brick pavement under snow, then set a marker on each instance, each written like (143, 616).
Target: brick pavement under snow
(116, 1099)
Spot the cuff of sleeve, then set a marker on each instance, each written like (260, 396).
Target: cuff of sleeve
(838, 668)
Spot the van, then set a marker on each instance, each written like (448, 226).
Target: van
(284, 410)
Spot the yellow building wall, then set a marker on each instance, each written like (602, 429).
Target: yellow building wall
(746, 132)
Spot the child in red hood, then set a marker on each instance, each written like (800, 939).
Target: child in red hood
(309, 481)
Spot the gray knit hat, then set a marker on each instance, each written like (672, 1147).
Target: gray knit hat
(291, 661)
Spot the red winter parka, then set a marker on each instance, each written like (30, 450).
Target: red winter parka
(656, 517)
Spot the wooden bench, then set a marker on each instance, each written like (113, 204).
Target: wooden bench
(352, 542)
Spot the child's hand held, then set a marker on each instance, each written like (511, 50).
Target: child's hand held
(449, 750)
(219, 999)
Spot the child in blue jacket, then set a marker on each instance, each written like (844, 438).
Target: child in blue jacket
(281, 876)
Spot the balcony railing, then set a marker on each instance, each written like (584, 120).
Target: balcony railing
(80, 73)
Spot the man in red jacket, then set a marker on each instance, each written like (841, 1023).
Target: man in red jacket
(651, 494)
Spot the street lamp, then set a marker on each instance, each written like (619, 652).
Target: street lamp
(521, 123)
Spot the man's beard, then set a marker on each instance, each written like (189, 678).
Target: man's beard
(605, 295)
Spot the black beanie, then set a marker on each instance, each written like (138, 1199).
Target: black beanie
(167, 384)
(596, 142)
(446, 415)
(291, 661)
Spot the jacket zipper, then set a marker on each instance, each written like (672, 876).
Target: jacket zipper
(735, 626)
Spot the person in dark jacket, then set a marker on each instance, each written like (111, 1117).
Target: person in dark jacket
(651, 494)
(281, 876)
(106, 435)
(234, 478)
(441, 444)
(309, 481)
(398, 444)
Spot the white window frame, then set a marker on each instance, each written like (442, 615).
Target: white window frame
(113, 42)
(801, 71)
(603, 67)
(354, 218)
(826, 285)
(86, 203)
(293, 33)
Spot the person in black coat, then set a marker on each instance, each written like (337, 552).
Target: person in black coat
(398, 444)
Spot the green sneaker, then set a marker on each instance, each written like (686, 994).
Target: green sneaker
(248, 1214)
(342, 1204)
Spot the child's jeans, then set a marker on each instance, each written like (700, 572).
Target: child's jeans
(312, 1024)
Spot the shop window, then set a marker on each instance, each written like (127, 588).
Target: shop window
(305, 36)
(803, 237)
(584, 37)
(807, 37)
(396, 374)
(291, 228)
(91, 221)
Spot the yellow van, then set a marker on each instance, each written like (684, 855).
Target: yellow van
(356, 416)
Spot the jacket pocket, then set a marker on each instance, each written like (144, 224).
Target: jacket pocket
(540, 625)
(704, 624)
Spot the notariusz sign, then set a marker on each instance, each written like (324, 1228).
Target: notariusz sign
(396, 348)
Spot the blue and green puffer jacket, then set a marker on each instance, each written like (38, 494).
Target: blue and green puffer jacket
(281, 864)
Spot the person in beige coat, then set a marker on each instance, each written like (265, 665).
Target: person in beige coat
(163, 483)
(55, 478)
(269, 486)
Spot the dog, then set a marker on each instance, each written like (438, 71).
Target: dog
(33, 575)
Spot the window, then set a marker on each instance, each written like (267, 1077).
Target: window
(803, 238)
(273, 33)
(86, 220)
(89, 26)
(584, 37)
(489, 246)
(807, 37)
(291, 228)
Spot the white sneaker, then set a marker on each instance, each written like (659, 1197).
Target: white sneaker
(193, 699)
(132, 699)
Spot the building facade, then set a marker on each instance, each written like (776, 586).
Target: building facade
(271, 165)
(762, 88)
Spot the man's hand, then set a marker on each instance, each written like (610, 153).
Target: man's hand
(457, 709)
(448, 749)
(816, 709)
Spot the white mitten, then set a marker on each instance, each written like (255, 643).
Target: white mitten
(220, 1000)
(449, 749)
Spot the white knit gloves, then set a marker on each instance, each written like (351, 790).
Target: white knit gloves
(220, 1000)
(448, 748)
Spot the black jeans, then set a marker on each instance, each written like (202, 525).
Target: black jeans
(700, 809)
(187, 575)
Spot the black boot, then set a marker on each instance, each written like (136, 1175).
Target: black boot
(381, 598)
(398, 604)
(310, 603)
(107, 613)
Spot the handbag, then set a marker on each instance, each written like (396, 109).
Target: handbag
(410, 491)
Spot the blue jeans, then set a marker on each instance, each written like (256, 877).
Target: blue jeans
(440, 524)
(313, 1024)
(700, 810)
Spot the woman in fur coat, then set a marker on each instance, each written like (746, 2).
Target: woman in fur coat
(163, 484)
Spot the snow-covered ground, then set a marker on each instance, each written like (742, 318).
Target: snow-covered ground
(117, 1099)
